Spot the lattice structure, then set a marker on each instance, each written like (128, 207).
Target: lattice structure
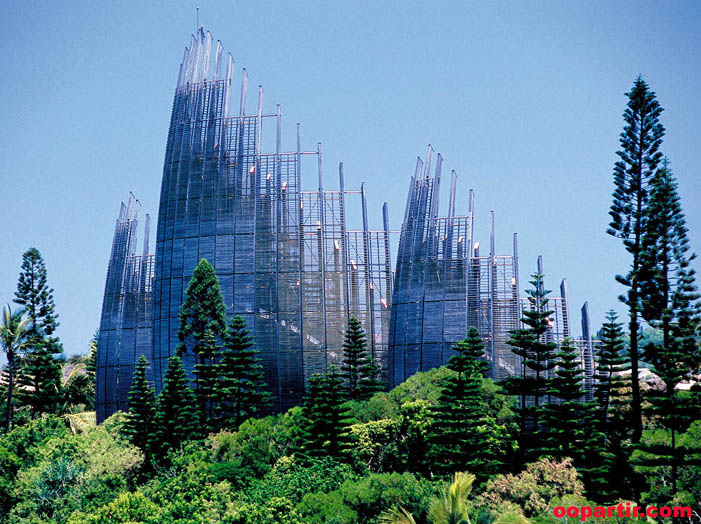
(587, 349)
(126, 324)
(442, 285)
(282, 255)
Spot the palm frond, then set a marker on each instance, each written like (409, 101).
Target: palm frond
(396, 515)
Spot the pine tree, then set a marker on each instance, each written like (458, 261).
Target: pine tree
(361, 372)
(371, 380)
(355, 357)
(41, 371)
(325, 418)
(638, 160)
(670, 302)
(538, 359)
(611, 392)
(202, 309)
(610, 385)
(206, 373)
(176, 417)
(460, 434)
(669, 290)
(564, 418)
(140, 417)
(571, 422)
(242, 389)
(202, 326)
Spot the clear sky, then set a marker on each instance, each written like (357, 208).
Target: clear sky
(523, 99)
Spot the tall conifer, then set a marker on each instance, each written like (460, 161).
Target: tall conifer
(176, 416)
(40, 373)
(361, 372)
(202, 327)
(610, 386)
(202, 309)
(670, 302)
(241, 390)
(537, 360)
(206, 373)
(567, 415)
(460, 434)
(355, 357)
(140, 417)
(325, 418)
(371, 380)
(612, 396)
(639, 158)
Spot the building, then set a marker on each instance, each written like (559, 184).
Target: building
(289, 260)
(286, 258)
(443, 285)
(126, 323)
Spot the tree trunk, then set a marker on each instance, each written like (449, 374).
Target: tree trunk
(10, 386)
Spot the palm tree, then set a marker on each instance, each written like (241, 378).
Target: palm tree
(14, 331)
(397, 515)
(450, 507)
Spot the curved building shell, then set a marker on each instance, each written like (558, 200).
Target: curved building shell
(286, 259)
(126, 324)
(443, 285)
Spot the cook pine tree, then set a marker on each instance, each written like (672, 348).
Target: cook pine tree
(202, 327)
(638, 160)
(139, 423)
(612, 397)
(537, 353)
(461, 435)
(326, 420)
(359, 369)
(176, 420)
(40, 375)
(612, 364)
(570, 420)
(670, 303)
(241, 389)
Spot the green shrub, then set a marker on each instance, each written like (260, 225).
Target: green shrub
(293, 480)
(126, 508)
(363, 501)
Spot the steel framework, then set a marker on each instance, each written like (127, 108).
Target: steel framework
(285, 259)
(443, 285)
(126, 327)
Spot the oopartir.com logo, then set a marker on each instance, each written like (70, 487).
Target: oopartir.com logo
(621, 510)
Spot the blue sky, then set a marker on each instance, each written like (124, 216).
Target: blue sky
(523, 99)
